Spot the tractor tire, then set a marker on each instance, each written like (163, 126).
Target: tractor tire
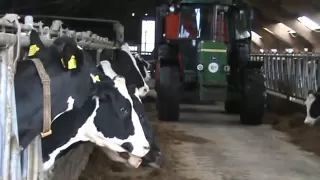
(232, 107)
(254, 98)
(168, 91)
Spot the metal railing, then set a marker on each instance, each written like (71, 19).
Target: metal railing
(291, 75)
(29, 166)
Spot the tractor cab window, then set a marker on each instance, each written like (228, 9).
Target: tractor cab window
(200, 22)
(190, 23)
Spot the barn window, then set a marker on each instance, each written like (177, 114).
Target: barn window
(147, 36)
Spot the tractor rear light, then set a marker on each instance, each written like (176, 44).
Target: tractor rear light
(226, 68)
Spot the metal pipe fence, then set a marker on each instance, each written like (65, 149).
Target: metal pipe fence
(291, 75)
(15, 165)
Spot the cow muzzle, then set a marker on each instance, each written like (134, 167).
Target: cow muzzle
(135, 152)
(132, 160)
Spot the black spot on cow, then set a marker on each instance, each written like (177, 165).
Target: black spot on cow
(127, 146)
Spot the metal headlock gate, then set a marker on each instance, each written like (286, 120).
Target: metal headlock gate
(28, 165)
(290, 75)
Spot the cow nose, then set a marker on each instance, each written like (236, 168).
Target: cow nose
(127, 146)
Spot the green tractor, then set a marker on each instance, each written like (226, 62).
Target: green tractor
(202, 52)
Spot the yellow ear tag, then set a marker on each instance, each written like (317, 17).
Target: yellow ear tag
(72, 63)
(97, 78)
(33, 49)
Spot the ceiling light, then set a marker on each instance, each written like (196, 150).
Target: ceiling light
(268, 30)
(308, 23)
(255, 34)
(288, 29)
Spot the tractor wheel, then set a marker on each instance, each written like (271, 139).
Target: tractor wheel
(168, 99)
(232, 107)
(254, 98)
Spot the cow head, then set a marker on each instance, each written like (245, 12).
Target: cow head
(153, 158)
(136, 143)
(69, 53)
(312, 104)
(124, 64)
(37, 49)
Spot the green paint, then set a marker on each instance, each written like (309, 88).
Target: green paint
(212, 52)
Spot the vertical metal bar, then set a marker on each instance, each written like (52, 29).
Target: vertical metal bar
(318, 70)
(33, 163)
(314, 71)
(299, 76)
(294, 75)
(283, 74)
(4, 166)
(268, 71)
(12, 131)
(276, 72)
(289, 73)
(273, 72)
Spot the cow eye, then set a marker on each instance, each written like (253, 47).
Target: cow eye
(124, 111)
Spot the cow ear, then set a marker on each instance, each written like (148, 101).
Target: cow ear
(36, 44)
(72, 57)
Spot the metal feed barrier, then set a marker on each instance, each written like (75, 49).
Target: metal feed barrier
(290, 75)
(28, 165)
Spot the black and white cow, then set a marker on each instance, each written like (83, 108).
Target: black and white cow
(312, 104)
(70, 86)
(120, 63)
(107, 120)
(84, 108)
(123, 63)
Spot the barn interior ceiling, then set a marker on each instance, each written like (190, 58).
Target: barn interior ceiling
(284, 20)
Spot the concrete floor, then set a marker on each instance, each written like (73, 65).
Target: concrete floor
(240, 152)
